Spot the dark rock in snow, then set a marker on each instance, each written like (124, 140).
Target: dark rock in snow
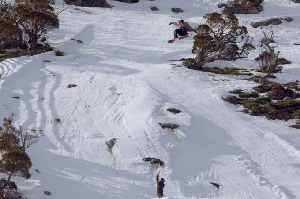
(174, 110)
(231, 99)
(177, 10)
(282, 61)
(47, 193)
(154, 161)
(91, 3)
(111, 142)
(271, 21)
(215, 184)
(169, 126)
(296, 126)
(128, 1)
(242, 7)
(154, 8)
(288, 19)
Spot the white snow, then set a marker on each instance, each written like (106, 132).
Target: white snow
(125, 82)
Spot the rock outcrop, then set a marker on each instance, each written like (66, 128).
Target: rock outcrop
(89, 3)
(154, 161)
(231, 99)
(242, 7)
(111, 143)
(271, 21)
(169, 126)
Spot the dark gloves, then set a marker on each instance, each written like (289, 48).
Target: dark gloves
(195, 31)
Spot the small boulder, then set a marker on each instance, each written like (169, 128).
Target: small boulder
(89, 3)
(129, 1)
(288, 19)
(111, 142)
(215, 184)
(177, 10)
(296, 126)
(174, 110)
(147, 159)
(154, 8)
(47, 193)
(231, 99)
(282, 61)
(255, 24)
(157, 161)
(169, 126)
(273, 21)
(242, 7)
(154, 161)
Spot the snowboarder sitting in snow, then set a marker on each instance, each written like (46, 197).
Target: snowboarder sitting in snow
(160, 186)
(184, 27)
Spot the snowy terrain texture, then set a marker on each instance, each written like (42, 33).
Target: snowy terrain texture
(125, 82)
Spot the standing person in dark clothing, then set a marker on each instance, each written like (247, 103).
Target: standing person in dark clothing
(184, 27)
(160, 186)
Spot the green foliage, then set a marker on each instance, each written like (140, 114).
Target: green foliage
(190, 63)
(282, 109)
(245, 110)
(6, 185)
(221, 38)
(10, 34)
(9, 141)
(264, 60)
(278, 92)
(262, 89)
(24, 28)
(285, 107)
(244, 94)
(236, 91)
(248, 95)
(35, 18)
(18, 52)
(296, 114)
(15, 163)
(12, 138)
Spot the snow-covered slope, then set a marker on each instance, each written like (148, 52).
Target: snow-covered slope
(125, 82)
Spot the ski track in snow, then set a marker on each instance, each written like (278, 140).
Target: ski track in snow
(125, 82)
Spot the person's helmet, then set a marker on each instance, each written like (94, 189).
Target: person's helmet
(182, 21)
(162, 179)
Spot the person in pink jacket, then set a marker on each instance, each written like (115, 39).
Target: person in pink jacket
(184, 27)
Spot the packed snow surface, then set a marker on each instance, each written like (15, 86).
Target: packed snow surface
(126, 80)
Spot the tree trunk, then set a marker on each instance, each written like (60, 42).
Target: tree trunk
(9, 177)
(199, 61)
(1, 193)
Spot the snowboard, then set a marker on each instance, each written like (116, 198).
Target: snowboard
(180, 38)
